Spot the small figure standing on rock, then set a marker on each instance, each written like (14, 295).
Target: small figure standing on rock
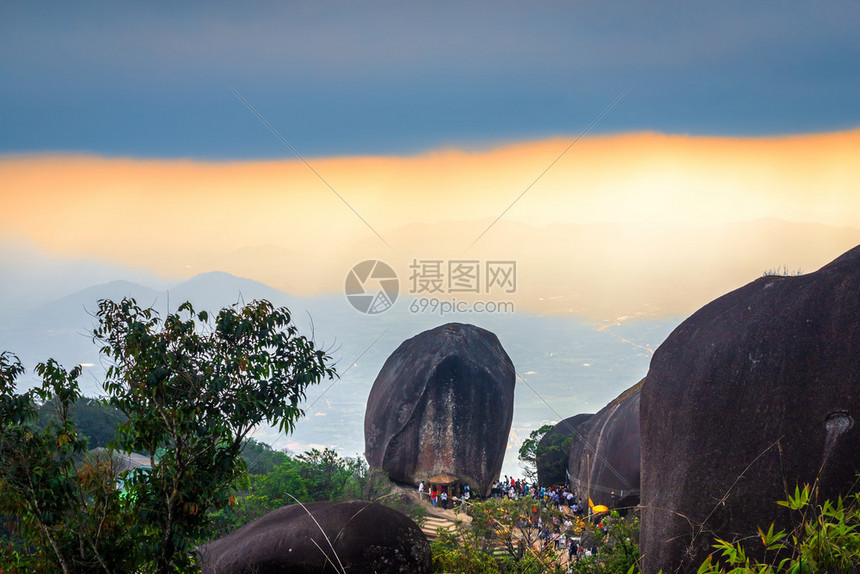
(421, 490)
(444, 497)
(433, 495)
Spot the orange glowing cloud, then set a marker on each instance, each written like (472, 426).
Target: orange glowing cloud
(180, 217)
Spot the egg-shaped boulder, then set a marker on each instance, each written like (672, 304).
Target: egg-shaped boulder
(442, 404)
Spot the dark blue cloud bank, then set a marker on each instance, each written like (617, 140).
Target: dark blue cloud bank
(367, 78)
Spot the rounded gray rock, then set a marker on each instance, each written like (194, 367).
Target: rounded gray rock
(606, 464)
(357, 536)
(758, 389)
(442, 403)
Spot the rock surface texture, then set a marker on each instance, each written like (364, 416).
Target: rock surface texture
(442, 403)
(607, 465)
(360, 537)
(757, 389)
(554, 448)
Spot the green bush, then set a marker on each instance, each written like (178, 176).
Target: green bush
(314, 476)
(503, 536)
(826, 538)
(617, 541)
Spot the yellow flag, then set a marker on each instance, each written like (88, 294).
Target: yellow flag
(590, 504)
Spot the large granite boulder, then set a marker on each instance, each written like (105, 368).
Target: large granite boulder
(442, 403)
(605, 466)
(357, 537)
(553, 449)
(754, 391)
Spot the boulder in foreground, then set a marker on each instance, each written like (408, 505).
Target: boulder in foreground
(357, 536)
(758, 389)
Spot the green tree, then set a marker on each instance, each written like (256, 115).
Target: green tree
(266, 492)
(325, 474)
(552, 454)
(456, 550)
(66, 511)
(260, 457)
(93, 420)
(530, 451)
(192, 391)
(373, 484)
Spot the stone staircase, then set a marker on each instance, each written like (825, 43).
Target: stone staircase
(434, 521)
(436, 517)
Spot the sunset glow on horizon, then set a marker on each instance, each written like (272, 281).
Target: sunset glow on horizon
(180, 217)
(650, 178)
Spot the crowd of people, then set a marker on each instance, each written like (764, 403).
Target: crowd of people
(513, 489)
(558, 532)
(439, 495)
(558, 496)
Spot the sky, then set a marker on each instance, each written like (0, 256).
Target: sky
(336, 78)
(636, 160)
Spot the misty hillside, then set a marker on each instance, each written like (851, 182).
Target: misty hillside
(569, 365)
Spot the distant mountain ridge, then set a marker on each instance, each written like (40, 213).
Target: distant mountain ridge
(601, 271)
(62, 328)
(212, 290)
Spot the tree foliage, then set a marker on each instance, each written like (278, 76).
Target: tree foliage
(503, 536)
(551, 455)
(457, 551)
(94, 421)
(66, 513)
(530, 450)
(260, 457)
(617, 542)
(516, 536)
(190, 390)
(825, 538)
(313, 476)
